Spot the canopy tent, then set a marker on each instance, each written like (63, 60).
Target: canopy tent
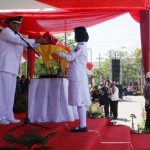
(65, 15)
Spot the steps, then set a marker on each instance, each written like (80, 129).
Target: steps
(117, 138)
(101, 135)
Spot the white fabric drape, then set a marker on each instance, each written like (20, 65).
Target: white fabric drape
(48, 101)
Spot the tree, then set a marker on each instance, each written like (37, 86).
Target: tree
(101, 74)
(70, 42)
(131, 67)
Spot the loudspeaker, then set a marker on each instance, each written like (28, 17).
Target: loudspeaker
(115, 70)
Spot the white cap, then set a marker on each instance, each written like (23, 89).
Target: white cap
(148, 75)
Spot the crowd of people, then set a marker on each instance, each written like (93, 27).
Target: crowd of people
(130, 90)
(108, 96)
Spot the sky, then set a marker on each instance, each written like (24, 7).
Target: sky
(114, 34)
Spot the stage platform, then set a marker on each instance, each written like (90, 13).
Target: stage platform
(101, 135)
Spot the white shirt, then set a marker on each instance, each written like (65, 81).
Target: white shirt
(78, 60)
(11, 49)
(115, 96)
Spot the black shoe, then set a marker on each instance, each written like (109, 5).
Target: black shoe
(79, 129)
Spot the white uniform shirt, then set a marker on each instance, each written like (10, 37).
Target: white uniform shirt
(11, 49)
(78, 60)
(115, 96)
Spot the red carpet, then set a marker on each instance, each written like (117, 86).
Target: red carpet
(100, 136)
(140, 141)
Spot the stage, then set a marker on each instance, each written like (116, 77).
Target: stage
(101, 135)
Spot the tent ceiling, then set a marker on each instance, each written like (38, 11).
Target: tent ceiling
(64, 15)
(98, 4)
(24, 5)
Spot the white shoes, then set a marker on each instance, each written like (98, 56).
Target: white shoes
(4, 122)
(14, 121)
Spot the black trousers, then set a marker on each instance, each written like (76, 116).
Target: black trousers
(106, 107)
(114, 108)
(147, 122)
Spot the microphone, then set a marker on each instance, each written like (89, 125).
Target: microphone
(4, 21)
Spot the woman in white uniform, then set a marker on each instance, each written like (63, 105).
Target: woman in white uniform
(11, 49)
(78, 91)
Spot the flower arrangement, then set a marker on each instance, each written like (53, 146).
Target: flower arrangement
(95, 111)
(141, 125)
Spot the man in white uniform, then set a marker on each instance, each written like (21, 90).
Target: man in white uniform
(11, 48)
(78, 91)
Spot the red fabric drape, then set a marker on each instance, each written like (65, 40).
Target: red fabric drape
(31, 59)
(145, 38)
(31, 62)
(135, 14)
(60, 22)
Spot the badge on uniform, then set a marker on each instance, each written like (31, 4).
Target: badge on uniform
(77, 48)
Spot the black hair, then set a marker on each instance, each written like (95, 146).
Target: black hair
(81, 34)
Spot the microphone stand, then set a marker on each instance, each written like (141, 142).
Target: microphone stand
(26, 120)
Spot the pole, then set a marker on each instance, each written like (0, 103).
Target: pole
(99, 60)
(91, 77)
(110, 65)
(120, 79)
(91, 53)
(142, 81)
(65, 39)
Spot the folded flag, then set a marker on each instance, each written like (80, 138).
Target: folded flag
(48, 50)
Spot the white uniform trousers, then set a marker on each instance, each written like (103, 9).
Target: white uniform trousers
(78, 93)
(7, 93)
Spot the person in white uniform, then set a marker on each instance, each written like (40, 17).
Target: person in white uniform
(11, 49)
(78, 91)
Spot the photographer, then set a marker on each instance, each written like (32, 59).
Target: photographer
(104, 99)
(95, 94)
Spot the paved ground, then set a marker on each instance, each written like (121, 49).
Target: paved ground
(130, 105)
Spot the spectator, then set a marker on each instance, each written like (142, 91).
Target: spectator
(104, 99)
(109, 96)
(125, 91)
(146, 93)
(23, 83)
(18, 89)
(95, 94)
(114, 100)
